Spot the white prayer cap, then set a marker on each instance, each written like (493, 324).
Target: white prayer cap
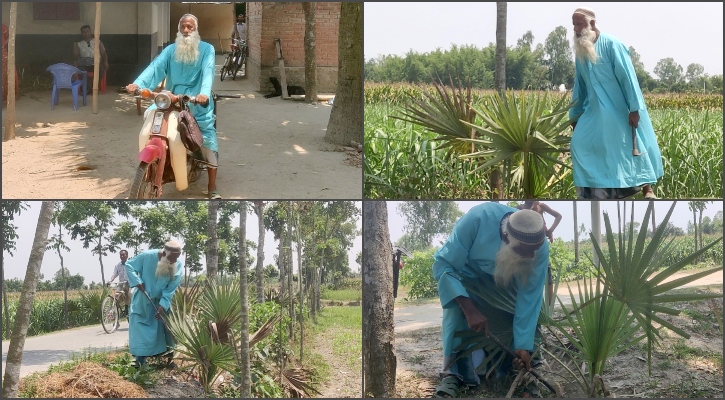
(173, 246)
(526, 226)
(586, 11)
(196, 20)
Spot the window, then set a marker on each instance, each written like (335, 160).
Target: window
(57, 11)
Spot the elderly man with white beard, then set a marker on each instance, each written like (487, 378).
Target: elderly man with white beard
(158, 273)
(188, 67)
(502, 246)
(608, 100)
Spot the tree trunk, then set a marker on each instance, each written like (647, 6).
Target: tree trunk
(576, 235)
(282, 264)
(500, 47)
(100, 257)
(288, 250)
(694, 224)
(378, 325)
(10, 119)
(596, 229)
(212, 256)
(25, 303)
(259, 209)
(310, 58)
(699, 230)
(96, 57)
(346, 117)
(300, 299)
(246, 378)
(6, 315)
(65, 284)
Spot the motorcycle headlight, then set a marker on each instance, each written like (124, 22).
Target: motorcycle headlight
(163, 101)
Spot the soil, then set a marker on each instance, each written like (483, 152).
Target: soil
(345, 382)
(268, 148)
(680, 367)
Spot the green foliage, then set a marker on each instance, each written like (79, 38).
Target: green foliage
(125, 365)
(426, 219)
(403, 161)
(417, 273)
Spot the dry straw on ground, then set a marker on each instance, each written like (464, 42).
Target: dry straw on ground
(87, 380)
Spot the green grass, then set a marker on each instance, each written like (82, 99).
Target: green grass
(341, 294)
(401, 159)
(339, 317)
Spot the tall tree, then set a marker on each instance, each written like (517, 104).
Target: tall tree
(92, 221)
(11, 378)
(212, 244)
(57, 244)
(694, 74)
(290, 279)
(500, 47)
(576, 234)
(378, 325)
(346, 119)
(9, 131)
(259, 210)
(425, 219)
(246, 378)
(310, 59)
(669, 72)
(559, 58)
(10, 208)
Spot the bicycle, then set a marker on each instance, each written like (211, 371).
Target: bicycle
(111, 310)
(235, 59)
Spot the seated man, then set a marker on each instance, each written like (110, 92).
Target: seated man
(83, 53)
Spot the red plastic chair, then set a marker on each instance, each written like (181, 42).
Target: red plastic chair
(101, 82)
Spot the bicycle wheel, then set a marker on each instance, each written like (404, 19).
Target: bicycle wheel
(228, 63)
(237, 65)
(109, 314)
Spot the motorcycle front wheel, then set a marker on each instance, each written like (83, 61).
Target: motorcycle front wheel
(142, 187)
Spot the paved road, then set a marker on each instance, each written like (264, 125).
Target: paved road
(40, 352)
(430, 315)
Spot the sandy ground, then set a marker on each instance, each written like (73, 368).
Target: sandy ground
(674, 372)
(268, 149)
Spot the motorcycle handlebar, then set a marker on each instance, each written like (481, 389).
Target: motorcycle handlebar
(147, 93)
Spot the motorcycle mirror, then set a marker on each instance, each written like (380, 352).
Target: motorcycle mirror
(145, 93)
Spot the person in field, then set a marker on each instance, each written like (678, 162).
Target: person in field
(491, 245)
(158, 273)
(608, 106)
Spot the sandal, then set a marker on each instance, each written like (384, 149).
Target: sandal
(448, 388)
(214, 195)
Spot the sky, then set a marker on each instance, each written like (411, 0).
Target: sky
(655, 30)
(565, 230)
(82, 261)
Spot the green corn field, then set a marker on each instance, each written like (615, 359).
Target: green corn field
(402, 161)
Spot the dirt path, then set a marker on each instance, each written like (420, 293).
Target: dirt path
(345, 382)
(268, 148)
(680, 367)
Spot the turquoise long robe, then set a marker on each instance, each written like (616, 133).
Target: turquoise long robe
(470, 253)
(601, 145)
(190, 79)
(146, 334)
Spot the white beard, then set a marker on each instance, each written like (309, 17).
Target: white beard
(511, 265)
(187, 48)
(165, 268)
(584, 46)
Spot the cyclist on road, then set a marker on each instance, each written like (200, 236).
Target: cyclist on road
(120, 271)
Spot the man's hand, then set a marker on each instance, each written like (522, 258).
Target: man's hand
(202, 99)
(141, 287)
(523, 359)
(131, 88)
(160, 312)
(550, 235)
(476, 320)
(634, 118)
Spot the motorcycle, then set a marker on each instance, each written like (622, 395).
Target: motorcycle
(162, 155)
